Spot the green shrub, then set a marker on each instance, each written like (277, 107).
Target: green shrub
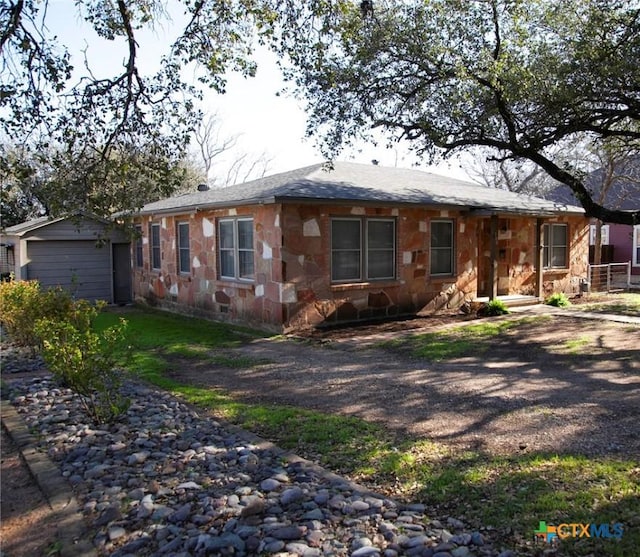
(558, 299)
(85, 361)
(63, 329)
(24, 303)
(19, 310)
(493, 307)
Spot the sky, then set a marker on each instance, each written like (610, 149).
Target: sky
(264, 122)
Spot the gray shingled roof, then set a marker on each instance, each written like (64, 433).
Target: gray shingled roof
(22, 228)
(28, 226)
(361, 183)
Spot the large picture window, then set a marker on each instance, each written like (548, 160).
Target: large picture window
(442, 247)
(363, 249)
(636, 245)
(235, 248)
(554, 246)
(154, 244)
(184, 257)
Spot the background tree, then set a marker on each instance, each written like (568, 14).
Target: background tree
(215, 157)
(130, 126)
(52, 181)
(614, 182)
(19, 182)
(613, 178)
(520, 77)
(519, 176)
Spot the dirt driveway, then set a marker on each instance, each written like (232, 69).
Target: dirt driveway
(560, 384)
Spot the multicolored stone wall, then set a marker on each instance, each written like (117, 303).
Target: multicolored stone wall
(202, 292)
(316, 301)
(293, 289)
(568, 280)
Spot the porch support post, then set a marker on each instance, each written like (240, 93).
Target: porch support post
(539, 257)
(493, 269)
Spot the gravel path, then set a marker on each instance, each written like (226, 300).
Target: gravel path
(164, 481)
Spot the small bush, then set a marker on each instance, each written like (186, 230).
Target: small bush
(558, 299)
(86, 361)
(493, 308)
(63, 329)
(20, 308)
(24, 303)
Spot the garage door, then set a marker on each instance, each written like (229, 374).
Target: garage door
(76, 265)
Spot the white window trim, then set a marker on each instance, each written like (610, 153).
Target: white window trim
(366, 253)
(236, 250)
(151, 246)
(452, 248)
(138, 247)
(179, 249)
(363, 260)
(636, 246)
(360, 254)
(547, 259)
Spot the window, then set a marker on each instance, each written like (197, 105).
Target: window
(363, 249)
(636, 245)
(154, 244)
(235, 248)
(554, 246)
(441, 260)
(184, 258)
(139, 255)
(604, 234)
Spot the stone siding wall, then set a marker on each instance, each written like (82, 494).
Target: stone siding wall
(201, 291)
(568, 280)
(316, 301)
(293, 289)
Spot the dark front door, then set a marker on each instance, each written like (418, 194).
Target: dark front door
(121, 273)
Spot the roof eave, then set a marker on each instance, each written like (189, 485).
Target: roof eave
(542, 213)
(194, 208)
(22, 231)
(477, 211)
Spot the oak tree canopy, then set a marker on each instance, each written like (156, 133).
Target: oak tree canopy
(520, 77)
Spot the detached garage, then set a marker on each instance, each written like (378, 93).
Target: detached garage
(85, 255)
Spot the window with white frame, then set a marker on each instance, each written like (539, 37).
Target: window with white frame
(154, 245)
(604, 234)
(636, 245)
(235, 248)
(555, 246)
(139, 246)
(442, 248)
(184, 256)
(363, 249)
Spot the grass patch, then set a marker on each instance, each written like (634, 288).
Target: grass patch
(459, 341)
(514, 493)
(155, 336)
(176, 333)
(511, 493)
(558, 299)
(621, 304)
(574, 346)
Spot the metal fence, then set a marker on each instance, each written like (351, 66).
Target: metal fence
(610, 277)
